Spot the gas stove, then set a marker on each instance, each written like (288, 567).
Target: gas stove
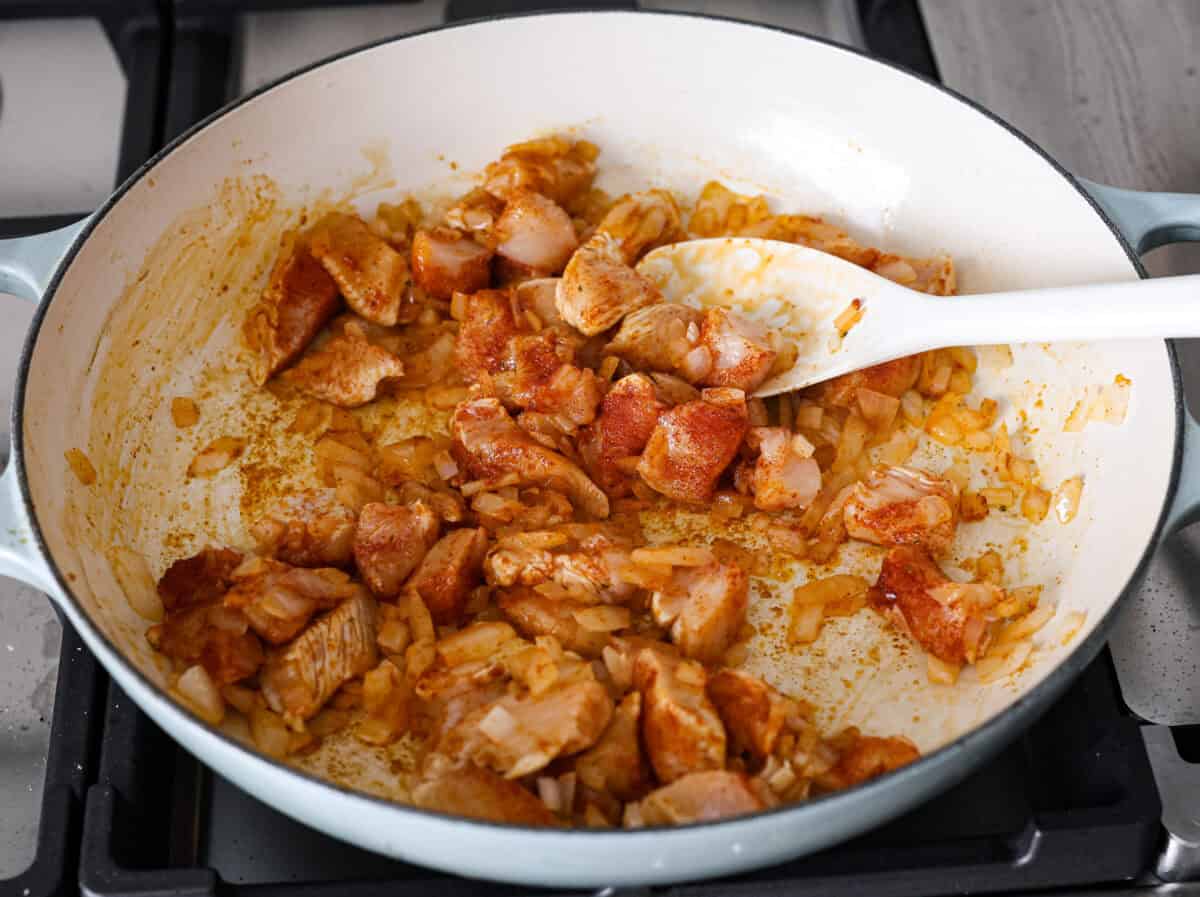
(1095, 799)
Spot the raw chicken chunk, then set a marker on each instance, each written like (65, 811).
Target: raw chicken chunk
(445, 262)
(700, 797)
(903, 506)
(739, 350)
(783, 477)
(680, 726)
(864, 757)
(536, 233)
(279, 600)
(656, 338)
(627, 417)
(347, 370)
(307, 529)
(753, 712)
(372, 276)
(299, 679)
(489, 445)
(479, 793)
(693, 443)
(948, 619)
(448, 573)
(615, 764)
(534, 614)
(703, 609)
(598, 288)
(300, 297)
(390, 542)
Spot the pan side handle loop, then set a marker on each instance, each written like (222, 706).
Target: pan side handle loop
(27, 265)
(1147, 220)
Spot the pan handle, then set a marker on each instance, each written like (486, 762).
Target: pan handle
(27, 265)
(1147, 220)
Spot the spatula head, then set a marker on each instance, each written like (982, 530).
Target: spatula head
(814, 300)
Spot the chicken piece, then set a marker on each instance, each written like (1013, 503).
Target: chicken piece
(534, 614)
(753, 712)
(370, 273)
(445, 262)
(479, 793)
(593, 571)
(903, 506)
(538, 296)
(299, 298)
(346, 371)
(200, 579)
(863, 757)
(299, 679)
(307, 529)
(642, 222)
(489, 445)
(555, 167)
(598, 289)
(390, 542)
(448, 573)
(615, 764)
(782, 478)
(692, 445)
(739, 349)
(488, 326)
(278, 600)
(680, 726)
(517, 736)
(627, 417)
(948, 619)
(704, 608)
(536, 233)
(661, 337)
(213, 636)
(543, 379)
(892, 378)
(701, 797)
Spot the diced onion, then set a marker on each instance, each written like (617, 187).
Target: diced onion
(1005, 663)
(603, 618)
(940, 672)
(1066, 499)
(202, 695)
(673, 555)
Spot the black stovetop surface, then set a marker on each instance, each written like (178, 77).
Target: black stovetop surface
(126, 812)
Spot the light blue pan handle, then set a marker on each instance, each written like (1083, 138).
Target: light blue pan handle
(1148, 220)
(27, 265)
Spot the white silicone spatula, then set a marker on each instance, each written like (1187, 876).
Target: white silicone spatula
(805, 295)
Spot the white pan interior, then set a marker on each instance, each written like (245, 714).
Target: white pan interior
(150, 307)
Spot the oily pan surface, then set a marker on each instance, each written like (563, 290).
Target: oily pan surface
(143, 512)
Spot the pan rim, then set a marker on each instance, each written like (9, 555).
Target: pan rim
(979, 738)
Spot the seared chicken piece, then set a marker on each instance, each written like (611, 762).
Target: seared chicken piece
(448, 573)
(487, 328)
(213, 636)
(347, 370)
(390, 542)
(200, 579)
(300, 297)
(692, 445)
(615, 764)
(278, 600)
(598, 289)
(948, 619)
(701, 797)
(553, 166)
(892, 378)
(703, 608)
(370, 273)
(307, 529)
(753, 712)
(517, 736)
(299, 679)
(489, 444)
(782, 477)
(680, 727)
(903, 506)
(593, 571)
(534, 614)
(739, 350)
(865, 757)
(481, 794)
(627, 417)
(535, 232)
(642, 222)
(656, 338)
(445, 262)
